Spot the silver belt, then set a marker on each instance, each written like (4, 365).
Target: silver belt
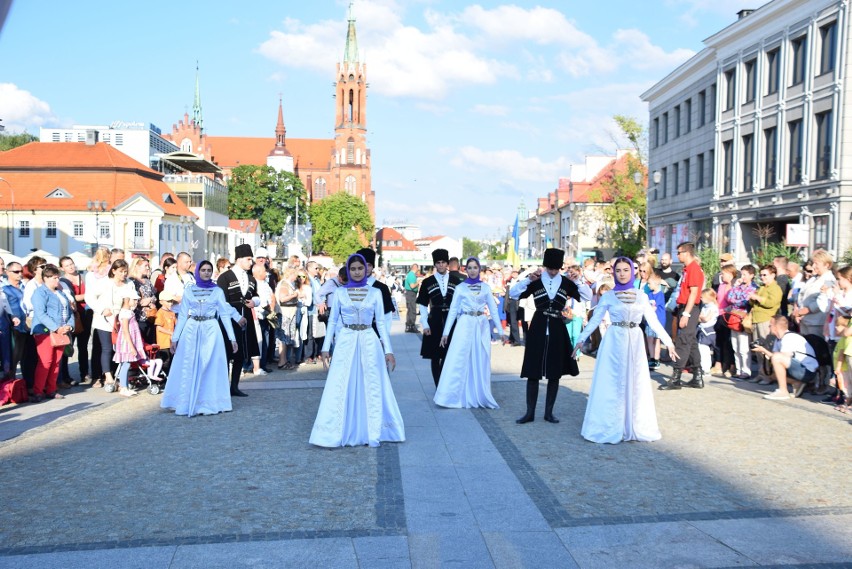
(472, 312)
(357, 326)
(551, 313)
(625, 324)
(202, 318)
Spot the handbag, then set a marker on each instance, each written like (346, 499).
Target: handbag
(58, 339)
(747, 323)
(734, 317)
(78, 323)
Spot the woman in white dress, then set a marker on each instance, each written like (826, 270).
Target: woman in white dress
(199, 383)
(466, 376)
(358, 406)
(621, 402)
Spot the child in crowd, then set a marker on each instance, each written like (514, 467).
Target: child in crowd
(129, 347)
(842, 356)
(654, 290)
(575, 314)
(165, 320)
(706, 328)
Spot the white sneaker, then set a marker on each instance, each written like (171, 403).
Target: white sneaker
(127, 392)
(777, 395)
(261, 372)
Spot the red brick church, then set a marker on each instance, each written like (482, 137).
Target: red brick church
(325, 166)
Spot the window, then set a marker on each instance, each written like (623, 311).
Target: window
(677, 121)
(827, 47)
(687, 110)
(169, 232)
(713, 102)
(665, 180)
(350, 151)
(676, 177)
(750, 71)
(350, 185)
(686, 175)
(186, 145)
(820, 232)
(119, 139)
(51, 230)
(748, 162)
(798, 52)
(104, 231)
(700, 166)
(319, 189)
(665, 127)
(702, 108)
(55, 137)
(773, 68)
(728, 157)
(823, 149)
(795, 129)
(770, 142)
(24, 229)
(138, 229)
(78, 228)
(730, 88)
(656, 133)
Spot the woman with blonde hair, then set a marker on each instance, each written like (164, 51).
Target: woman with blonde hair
(106, 300)
(97, 271)
(814, 299)
(145, 311)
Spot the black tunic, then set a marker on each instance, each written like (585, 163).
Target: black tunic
(548, 351)
(230, 285)
(439, 306)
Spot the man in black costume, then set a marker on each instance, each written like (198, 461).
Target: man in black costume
(434, 298)
(548, 348)
(240, 289)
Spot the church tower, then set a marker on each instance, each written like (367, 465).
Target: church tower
(352, 157)
(279, 157)
(189, 133)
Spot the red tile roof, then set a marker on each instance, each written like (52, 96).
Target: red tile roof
(391, 234)
(85, 172)
(233, 151)
(249, 225)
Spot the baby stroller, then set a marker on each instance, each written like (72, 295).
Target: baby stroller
(141, 375)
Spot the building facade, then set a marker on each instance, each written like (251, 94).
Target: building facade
(749, 138)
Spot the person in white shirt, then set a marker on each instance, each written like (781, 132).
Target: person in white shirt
(792, 358)
(179, 280)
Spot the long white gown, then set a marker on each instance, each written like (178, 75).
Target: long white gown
(466, 377)
(358, 406)
(621, 401)
(198, 382)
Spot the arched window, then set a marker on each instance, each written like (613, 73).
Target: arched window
(319, 189)
(350, 151)
(186, 145)
(350, 185)
(350, 107)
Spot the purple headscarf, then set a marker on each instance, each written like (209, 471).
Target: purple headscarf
(199, 282)
(629, 284)
(478, 280)
(350, 282)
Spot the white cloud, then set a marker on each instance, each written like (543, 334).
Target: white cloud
(434, 108)
(491, 110)
(511, 164)
(21, 110)
(643, 55)
(539, 25)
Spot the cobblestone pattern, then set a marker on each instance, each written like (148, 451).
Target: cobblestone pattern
(133, 474)
(725, 453)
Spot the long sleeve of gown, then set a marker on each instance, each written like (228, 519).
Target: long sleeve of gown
(224, 312)
(333, 319)
(183, 314)
(454, 310)
(597, 316)
(651, 319)
(493, 313)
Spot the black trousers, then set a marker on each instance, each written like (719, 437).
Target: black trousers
(410, 309)
(238, 357)
(512, 320)
(82, 340)
(686, 341)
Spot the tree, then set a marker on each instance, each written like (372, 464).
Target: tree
(342, 225)
(634, 132)
(262, 193)
(470, 248)
(10, 141)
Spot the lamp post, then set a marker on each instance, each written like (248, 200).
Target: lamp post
(656, 178)
(97, 206)
(10, 232)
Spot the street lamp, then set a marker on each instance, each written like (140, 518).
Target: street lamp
(656, 177)
(11, 221)
(97, 206)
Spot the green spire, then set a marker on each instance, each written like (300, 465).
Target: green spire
(350, 55)
(196, 105)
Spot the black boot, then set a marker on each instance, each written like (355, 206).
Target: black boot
(437, 366)
(550, 399)
(532, 399)
(674, 382)
(697, 379)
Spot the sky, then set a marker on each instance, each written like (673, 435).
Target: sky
(473, 107)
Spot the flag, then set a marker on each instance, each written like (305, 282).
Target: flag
(512, 256)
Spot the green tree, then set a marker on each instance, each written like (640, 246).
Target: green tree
(262, 193)
(10, 141)
(342, 225)
(635, 133)
(625, 214)
(470, 248)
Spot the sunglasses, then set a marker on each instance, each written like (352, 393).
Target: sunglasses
(41, 266)
(16, 272)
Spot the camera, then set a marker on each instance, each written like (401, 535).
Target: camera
(754, 345)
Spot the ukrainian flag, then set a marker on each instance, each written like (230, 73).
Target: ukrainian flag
(512, 256)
